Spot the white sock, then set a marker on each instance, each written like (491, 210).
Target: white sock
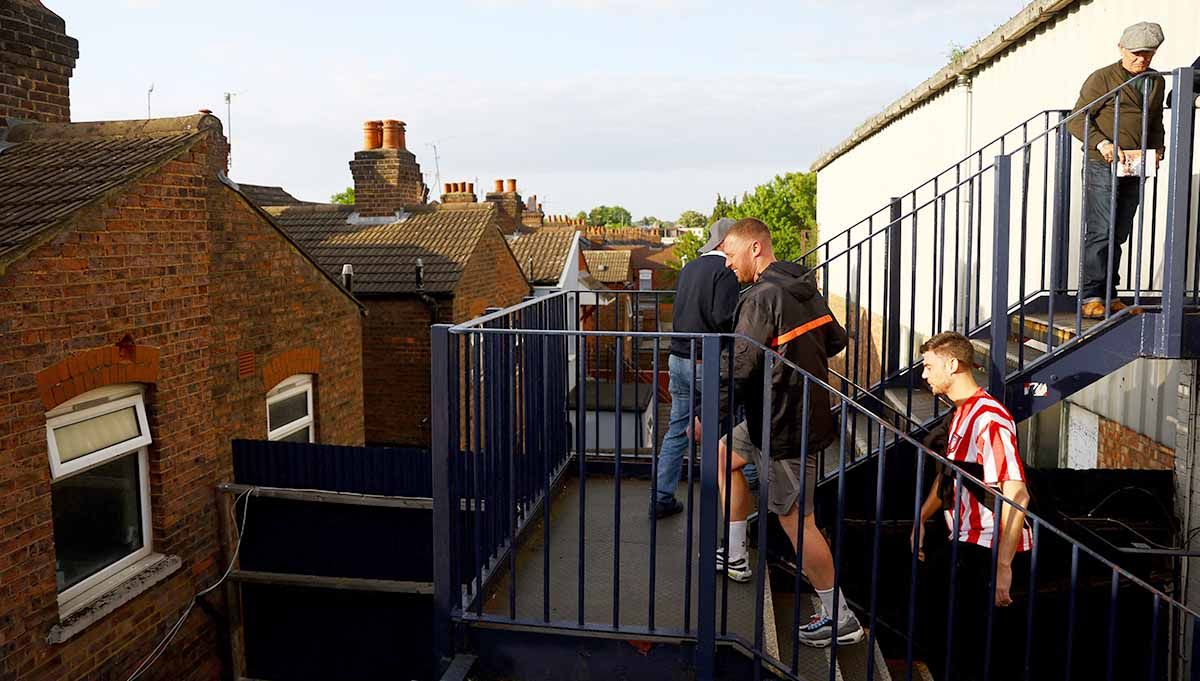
(737, 540)
(826, 597)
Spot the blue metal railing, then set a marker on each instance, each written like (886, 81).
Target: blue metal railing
(1014, 222)
(515, 365)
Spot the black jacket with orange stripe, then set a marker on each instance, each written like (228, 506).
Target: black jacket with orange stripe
(784, 311)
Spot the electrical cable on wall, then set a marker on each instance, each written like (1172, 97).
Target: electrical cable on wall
(150, 659)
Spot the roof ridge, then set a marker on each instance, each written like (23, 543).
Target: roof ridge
(152, 127)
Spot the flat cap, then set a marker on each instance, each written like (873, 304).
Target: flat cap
(1144, 35)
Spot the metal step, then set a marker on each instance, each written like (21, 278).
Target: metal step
(1031, 351)
(851, 662)
(924, 405)
(1037, 324)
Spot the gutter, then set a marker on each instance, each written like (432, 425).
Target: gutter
(978, 55)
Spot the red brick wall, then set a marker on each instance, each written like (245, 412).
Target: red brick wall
(36, 60)
(386, 180)
(396, 342)
(1122, 448)
(144, 265)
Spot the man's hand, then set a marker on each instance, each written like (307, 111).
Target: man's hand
(1106, 150)
(917, 536)
(1162, 153)
(696, 429)
(1003, 584)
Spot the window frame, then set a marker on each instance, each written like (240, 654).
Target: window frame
(77, 595)
(288, 388)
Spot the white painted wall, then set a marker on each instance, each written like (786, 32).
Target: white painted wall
(1044, 71)
(636, 429)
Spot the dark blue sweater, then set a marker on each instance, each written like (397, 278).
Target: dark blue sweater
(706, 296)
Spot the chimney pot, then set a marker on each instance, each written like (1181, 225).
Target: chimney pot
(499, 186)
(372, 134)
(392, 137)
(470, 187)
(512, 186)
(447, 186)
(348, 277)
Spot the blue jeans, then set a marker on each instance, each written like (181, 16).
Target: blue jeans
(1094, 282)
(675, 444)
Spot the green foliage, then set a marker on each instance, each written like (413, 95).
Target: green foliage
(687, 249)
(788, 206)
(581, 215)
(648, 220)
(955, 52)
(609, 216)
(345, 197)
(690, 219)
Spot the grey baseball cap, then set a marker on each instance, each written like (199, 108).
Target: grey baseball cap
(1144, 35)
(716, 234)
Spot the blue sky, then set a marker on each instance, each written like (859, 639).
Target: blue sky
(657, 105)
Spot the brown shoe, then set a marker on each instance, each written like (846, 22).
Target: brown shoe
(1094, 310)
(1117, 306)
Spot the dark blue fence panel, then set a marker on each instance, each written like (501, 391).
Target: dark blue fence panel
(390, 471)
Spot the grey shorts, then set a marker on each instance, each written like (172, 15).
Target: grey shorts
(784, 476)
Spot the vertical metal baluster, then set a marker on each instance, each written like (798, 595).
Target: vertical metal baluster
(1046, 246)
(956, 530)
(954, 321)
(1112, 270)
(918, 498)
(581, 451)
(725, 502)
(979, 241)
(1029, 620)
(912, 321)
(838, 539)
(1137, 279)
(1021, 268)
(997, 507)
(636, 341)
(857, 356)
(654, 453)
(1112, 623)
(1155, 616)
(691, 459)
(1071, 608)
(1083, 225)
(804, 409)
(880, 469)
(546, 472)
(616, 609)
(763, 484)
(706, 625)
(479, 512)
(968, 253)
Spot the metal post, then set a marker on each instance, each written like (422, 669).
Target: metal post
(443, 590)
(892, 338)
(1175, 257)
(706, 579)
(998, 353)
(226, 506)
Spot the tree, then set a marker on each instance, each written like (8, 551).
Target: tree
(344, 197)
(648, 220)
(788, 206)
(609, 216)
(687, 249)
(690, 219)
(581, 215)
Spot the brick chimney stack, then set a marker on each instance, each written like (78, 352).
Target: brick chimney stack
(510, 206)
(459, 192)
(37, 58)
(387, 177)
(531, 216)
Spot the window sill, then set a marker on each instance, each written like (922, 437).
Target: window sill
(92, 606)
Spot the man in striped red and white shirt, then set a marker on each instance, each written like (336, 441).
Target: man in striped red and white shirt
(982, 439)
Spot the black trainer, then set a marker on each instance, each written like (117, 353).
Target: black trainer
(666, 509)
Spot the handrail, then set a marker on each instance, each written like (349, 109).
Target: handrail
(926, 183)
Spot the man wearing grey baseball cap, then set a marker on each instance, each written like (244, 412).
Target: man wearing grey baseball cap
(706, 297)
(1107, 151)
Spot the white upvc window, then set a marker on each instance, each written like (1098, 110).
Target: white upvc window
(290, 410)
(100, 488)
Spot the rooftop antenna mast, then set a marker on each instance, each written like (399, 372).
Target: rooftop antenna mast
(437, 166)
(148, 91)
(229, 121)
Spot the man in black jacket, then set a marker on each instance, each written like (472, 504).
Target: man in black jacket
(784, 312)
(705, 298)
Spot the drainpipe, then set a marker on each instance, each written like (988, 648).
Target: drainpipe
(429, 300)
(965, 81)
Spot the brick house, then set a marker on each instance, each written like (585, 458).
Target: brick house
(414, 264)
(149, 313)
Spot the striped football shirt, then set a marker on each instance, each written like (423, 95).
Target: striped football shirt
(984, 432)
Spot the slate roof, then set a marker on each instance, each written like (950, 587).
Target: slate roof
(263, 195)
(385, 255)
(48, 171)
(542, 255)
(608, 266)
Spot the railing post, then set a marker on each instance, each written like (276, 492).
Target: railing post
(706, 611)
(1179, 201)
(998, 352)
(892, 338)
(1060, 242)
(443, 543)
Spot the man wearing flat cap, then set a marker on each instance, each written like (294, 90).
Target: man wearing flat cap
(1107, 149)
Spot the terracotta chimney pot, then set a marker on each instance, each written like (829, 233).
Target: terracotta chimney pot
(470, 187)
(392, 137)
(372, 134)
(447, 186)
(512, 186)
(499, 186)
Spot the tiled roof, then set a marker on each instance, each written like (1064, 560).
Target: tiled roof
(263, 195)
(608, 266)
(50, 170)
(543, 254)
(385, 256)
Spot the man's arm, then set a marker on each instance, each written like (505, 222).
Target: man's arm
(725, 299)
(1092, 88)
(932, 505)
(1012, 522)
(747, 356)
(1157, 133)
